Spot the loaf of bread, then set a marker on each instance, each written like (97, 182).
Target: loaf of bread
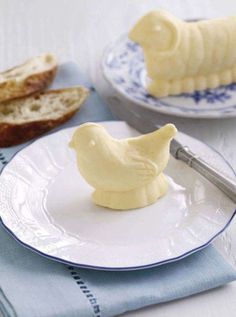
(33, 76)
(25, 118)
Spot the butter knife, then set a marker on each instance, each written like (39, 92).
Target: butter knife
(177, 150)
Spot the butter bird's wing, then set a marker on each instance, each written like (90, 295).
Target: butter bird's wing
(139, 171)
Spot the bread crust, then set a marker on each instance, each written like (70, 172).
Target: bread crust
(12, 89)
(14, 134)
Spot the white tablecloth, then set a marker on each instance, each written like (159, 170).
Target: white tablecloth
(80, 29)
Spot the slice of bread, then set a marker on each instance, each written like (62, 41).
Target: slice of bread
(32, 76)
(25, 118)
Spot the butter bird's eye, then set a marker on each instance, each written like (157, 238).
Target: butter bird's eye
(158, 28)
(92, 143)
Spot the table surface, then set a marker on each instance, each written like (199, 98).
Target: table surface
(79, 30)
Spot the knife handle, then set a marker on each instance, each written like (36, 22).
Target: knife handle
(225, 184)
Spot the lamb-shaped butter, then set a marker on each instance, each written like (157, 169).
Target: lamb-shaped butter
(184, 56)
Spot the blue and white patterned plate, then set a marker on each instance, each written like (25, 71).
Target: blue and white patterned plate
(123, 66)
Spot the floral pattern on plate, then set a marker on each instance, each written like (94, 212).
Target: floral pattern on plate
(124, 68)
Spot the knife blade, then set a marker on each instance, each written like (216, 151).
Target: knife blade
(177, 150)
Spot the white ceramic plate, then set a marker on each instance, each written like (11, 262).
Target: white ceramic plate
(46, 205)
(124, 68)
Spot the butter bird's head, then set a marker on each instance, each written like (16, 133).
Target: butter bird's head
(158, 31)
(87, 138)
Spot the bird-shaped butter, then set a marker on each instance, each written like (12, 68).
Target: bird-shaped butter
(125, 173)
(185, 56)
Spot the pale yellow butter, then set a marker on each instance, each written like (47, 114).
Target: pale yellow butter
(185, 56)
(126, 173)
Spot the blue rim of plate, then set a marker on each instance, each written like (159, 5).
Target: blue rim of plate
(131, 268)
(161, 105)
